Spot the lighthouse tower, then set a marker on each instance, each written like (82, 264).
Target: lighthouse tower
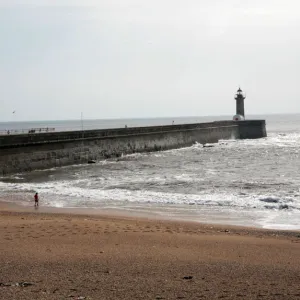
(240, 109)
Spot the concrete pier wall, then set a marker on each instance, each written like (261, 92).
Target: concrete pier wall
(253, 129)
(24, 153)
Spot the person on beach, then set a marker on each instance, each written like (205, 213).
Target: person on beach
(36, 199)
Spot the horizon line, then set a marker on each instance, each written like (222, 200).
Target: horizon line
(144, 118)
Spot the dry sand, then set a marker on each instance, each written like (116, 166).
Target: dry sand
(71, 256)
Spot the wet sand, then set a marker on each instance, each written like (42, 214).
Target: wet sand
(56, 255)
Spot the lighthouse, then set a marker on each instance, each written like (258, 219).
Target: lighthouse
(240, 109)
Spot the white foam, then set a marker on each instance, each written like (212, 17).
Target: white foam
(282, 226)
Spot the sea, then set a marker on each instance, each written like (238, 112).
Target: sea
(236, 182)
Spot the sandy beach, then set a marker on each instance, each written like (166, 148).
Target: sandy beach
(64, 255)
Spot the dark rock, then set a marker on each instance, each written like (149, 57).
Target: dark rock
(5, 284)
(283, 206)
(24, 284)
(269, 200)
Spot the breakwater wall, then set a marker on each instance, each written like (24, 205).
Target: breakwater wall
(27, 152)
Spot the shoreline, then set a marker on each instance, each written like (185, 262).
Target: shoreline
(159, 213)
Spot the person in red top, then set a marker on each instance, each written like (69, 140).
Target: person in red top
(36, 199)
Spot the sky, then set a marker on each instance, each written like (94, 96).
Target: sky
(150, 58)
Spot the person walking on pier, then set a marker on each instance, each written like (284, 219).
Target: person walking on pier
(36, 200)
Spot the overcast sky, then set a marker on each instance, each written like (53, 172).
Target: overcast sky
(156, 58)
